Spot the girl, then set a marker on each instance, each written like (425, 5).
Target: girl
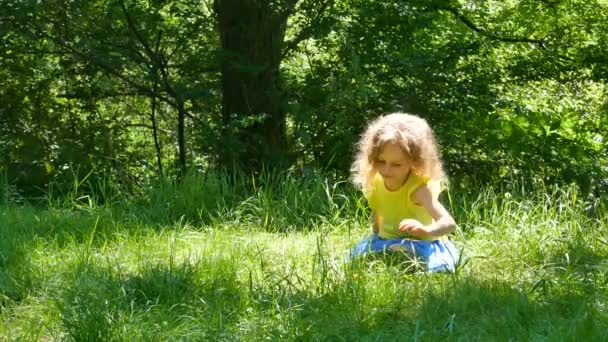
(398, 169)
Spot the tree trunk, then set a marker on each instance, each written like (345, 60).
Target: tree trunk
(252, 35)
(181, 139)
(159, 159)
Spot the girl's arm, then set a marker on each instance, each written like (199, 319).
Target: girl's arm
(376, 225)
(443, 222)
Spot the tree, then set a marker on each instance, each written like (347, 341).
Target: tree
(253, 44)
(136, 49)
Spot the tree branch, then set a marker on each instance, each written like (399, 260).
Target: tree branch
(143, 125)
(290, 5)
(110, 70)
(488, 34)
(181, 42)
(105, 95)
(308, 30)
(139, 37)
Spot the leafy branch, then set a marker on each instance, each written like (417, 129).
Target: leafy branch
(470, 24)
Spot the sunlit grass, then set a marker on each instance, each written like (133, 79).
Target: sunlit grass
(220, 259)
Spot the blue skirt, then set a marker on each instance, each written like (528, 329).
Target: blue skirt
(437, 255)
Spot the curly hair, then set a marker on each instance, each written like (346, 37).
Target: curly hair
(414, 136)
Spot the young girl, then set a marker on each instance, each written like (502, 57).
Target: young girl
(398, 169)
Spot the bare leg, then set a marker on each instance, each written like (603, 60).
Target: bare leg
(399, 247)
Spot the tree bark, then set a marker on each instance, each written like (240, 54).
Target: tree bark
(159, 159)
(252, 35)
(181, 139)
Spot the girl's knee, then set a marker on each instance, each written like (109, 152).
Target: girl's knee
(396, 247)
(404, 248)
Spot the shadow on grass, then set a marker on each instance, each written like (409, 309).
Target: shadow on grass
(17, 273)
(575, 265)
(24, 230)
(157, 302)
(386, 298)
(576, 259)
(382, 300)
(469, 310)
(490, 310)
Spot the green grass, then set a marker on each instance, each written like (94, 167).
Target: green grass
(216, 258)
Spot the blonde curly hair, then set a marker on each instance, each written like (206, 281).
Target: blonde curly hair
(415, 137)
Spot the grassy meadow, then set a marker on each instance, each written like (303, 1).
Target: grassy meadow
(218, 258)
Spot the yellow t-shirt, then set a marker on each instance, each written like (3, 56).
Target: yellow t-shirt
(391, 207)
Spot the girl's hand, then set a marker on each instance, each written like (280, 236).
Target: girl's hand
(414, 228)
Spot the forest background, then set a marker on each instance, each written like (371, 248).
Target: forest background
(121, 92)
(179, 169)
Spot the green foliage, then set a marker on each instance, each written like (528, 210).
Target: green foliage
(505, 91)
(78, 100)
(513, 89)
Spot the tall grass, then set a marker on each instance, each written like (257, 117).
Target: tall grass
(273, 203)
(224, 257)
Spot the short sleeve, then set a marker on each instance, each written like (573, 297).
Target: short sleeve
(370, 196)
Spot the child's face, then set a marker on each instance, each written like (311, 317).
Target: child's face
(393, 165)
